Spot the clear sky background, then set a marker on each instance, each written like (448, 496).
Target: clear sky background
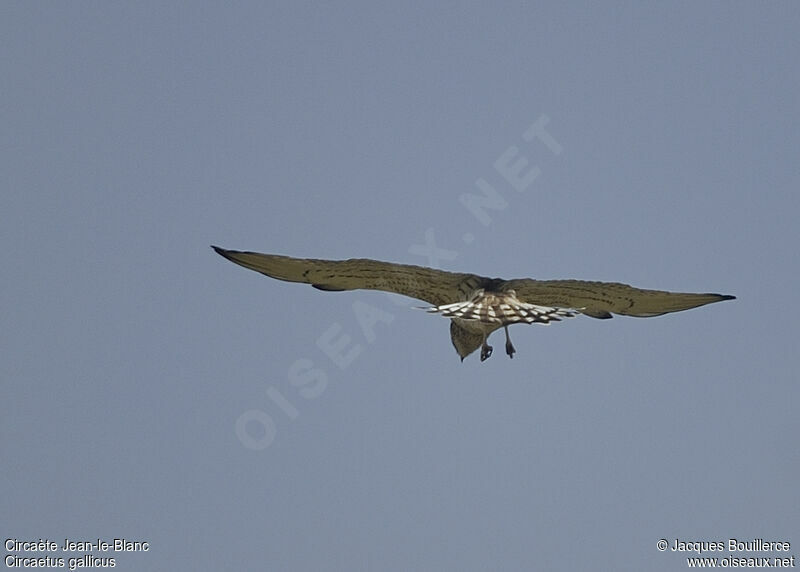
(135, 135)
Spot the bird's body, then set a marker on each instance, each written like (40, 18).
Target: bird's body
(477, 305)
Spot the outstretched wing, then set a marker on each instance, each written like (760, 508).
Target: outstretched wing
(601, 299)
(428, 284)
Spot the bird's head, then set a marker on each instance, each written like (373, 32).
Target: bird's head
(465, 341)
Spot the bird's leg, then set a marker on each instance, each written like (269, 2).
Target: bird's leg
(486, 349)
(509, 346)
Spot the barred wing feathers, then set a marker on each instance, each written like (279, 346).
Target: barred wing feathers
(500, 309)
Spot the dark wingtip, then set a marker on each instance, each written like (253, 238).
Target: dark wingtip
(723, 297)
(221, 251)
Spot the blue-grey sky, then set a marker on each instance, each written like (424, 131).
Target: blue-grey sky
(135, 135)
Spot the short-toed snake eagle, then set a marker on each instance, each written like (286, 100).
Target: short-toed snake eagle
(476, 305)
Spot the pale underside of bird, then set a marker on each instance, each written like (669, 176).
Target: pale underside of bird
(476, 305)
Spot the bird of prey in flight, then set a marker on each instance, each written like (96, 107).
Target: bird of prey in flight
(476, 305)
